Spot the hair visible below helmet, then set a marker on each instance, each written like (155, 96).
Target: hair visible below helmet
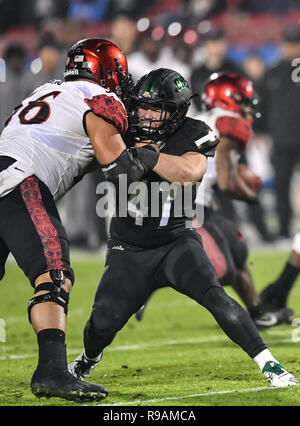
(166, 90)
(98, 60)
(228, 91)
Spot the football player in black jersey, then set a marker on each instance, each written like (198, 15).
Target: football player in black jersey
(147, 251)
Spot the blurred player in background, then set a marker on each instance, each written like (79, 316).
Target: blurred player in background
(58, 134)
(149, 251)
(228, 102)
(229, 109)
(275, 295)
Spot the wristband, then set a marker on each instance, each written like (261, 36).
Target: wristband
(148, 155)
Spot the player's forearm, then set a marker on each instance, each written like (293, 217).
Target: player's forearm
(228, 179)
(230, 182)
(179, 169)
(234, 186)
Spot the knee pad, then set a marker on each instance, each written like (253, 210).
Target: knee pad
(55, 293)
(213, 295)
(106, 320)
(222, 306)
(69, 273)
(216, 299)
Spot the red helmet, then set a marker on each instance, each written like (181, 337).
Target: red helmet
(98, 60)
(228, 91)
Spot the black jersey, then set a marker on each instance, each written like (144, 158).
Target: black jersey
(158, 212)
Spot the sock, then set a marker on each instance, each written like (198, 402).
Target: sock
(96, 359)
(50, 334)
(264, 357)
(52, 348)
(285, 282)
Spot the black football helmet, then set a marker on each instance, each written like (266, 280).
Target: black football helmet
(165, 90)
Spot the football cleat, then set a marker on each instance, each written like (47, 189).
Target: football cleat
(270, 298)
(62, 384)
(284, 315)
(82, 366)
(277, 376)
(270, 319)
(265, 320)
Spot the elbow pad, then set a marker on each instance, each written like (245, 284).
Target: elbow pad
(125, 164)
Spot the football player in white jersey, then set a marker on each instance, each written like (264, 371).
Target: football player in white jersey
(58, 134)
(229, 103)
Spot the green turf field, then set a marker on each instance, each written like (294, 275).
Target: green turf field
(177, 356)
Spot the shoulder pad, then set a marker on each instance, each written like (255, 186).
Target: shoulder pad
(235, 127)
(110, 109)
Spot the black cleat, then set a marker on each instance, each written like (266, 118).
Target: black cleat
(273, 303)
(265, 320)
(271, 319)
(64, 385)
(284, 315)
(269, 298)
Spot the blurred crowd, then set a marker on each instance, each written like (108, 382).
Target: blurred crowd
(196, 38)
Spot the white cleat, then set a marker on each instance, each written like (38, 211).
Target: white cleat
(82, 366)
(277, 376)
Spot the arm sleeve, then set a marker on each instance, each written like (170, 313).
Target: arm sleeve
(110, 109)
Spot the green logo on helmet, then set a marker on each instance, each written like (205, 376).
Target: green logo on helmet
(180, 83)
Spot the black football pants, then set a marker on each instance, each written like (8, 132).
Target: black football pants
(132, 274)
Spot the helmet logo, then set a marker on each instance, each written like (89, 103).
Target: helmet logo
(180, 83)
(79, 58)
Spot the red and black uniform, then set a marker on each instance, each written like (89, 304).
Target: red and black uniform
(44, 151)
(222, 241)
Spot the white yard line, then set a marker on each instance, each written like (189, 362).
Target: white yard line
(141, 346)
(196, 395)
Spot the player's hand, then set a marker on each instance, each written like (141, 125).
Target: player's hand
(250, 178)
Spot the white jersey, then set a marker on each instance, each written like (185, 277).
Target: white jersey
(210, 177)
(47, 136)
